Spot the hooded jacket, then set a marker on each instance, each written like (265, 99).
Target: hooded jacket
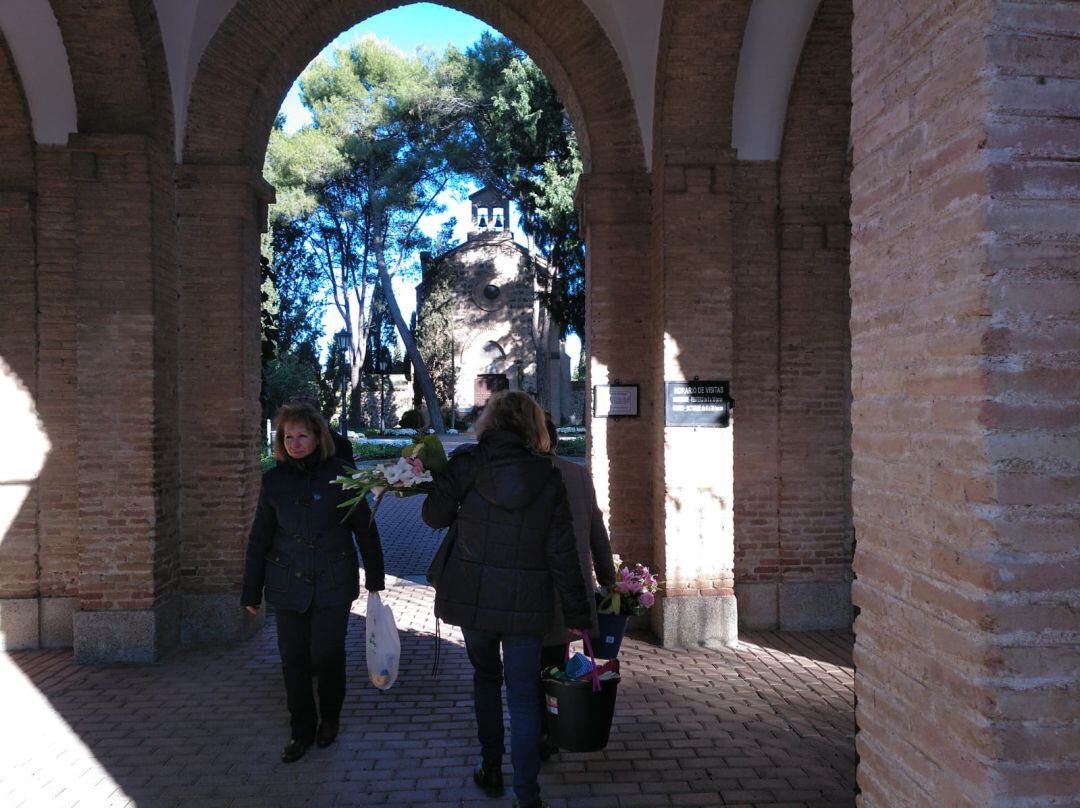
(514, 548)
(299, 551)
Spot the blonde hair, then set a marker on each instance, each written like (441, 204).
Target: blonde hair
(516, 412)
(307, 416)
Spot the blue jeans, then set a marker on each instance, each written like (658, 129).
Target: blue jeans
(521, 664)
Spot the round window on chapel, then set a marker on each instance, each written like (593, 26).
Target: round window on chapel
(491, 291)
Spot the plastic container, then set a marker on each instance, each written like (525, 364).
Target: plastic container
(579, 718)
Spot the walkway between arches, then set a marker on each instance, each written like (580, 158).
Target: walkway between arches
(770, 723)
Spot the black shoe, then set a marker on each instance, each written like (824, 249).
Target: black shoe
(489, 777)
(327, 733)
(294, 750)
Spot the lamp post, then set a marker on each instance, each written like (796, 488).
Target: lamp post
(341, 341)
(382, 367)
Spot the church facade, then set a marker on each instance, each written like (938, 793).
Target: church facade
(501, 337)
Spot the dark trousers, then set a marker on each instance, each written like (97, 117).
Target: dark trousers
(550, 656)
(312, 642)
(520, 664)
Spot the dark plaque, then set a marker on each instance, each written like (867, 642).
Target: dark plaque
(698, 403)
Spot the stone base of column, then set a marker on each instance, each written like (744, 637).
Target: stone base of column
(794, 605)
(126, 635)
(19, 624)
(686, 622)
(212, 619)
(27, 623)
(56, 622)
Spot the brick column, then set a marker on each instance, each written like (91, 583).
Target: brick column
(57, 396)
(965, 298)
(757, 381)
(20, 466)
(126, 612)
(694, 262)
(221, 210)
(620, 336)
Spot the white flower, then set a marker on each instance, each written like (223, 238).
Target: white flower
(358, 476)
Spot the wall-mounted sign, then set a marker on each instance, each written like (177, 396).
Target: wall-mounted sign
(697, 403)
(615, 400)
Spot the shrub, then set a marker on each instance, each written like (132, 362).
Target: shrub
(571, 447)
(378, 450)
(410, 419)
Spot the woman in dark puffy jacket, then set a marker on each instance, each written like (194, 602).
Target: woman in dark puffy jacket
(514, 551)
(302, 554)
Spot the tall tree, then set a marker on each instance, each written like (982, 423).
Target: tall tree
(388, 134)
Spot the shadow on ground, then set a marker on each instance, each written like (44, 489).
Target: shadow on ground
(770, 722)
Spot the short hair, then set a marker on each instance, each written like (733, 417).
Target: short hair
(516, 412)
(308, 416)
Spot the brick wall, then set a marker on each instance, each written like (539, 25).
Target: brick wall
(57, 375)
(963, 277)
(792, 462)
(813, 305)
(756, 382)
(1032, 380)
(218, 249)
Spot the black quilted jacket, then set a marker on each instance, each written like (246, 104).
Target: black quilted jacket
(515, 546)
(299, 551)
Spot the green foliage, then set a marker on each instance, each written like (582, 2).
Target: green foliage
(434, 332)
(389, 132)
(378, 450)
(410, 419)
(571, 447)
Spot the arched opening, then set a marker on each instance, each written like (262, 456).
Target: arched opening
(233, 104)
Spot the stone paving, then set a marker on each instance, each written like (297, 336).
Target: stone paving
(767, 724)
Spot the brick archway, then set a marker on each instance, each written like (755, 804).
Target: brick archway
(244, 73)
(759, 558)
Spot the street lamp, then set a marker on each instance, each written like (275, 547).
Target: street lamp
(341, 341)
(382, 368)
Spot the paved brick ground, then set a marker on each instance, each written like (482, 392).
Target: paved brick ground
(767, 724)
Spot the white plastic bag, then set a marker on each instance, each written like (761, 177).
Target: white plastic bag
(383, 643)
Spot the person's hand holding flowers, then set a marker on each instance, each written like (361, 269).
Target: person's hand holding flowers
(633, 592)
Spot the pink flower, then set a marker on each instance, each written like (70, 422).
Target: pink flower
(647, 599)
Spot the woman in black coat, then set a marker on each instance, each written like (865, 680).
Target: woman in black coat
(514, 550)
(302, 554)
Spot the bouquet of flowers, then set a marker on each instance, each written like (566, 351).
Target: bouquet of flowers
(633, 592)
(397, 479)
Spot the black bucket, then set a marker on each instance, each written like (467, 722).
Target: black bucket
(578, 718)
(608, 638)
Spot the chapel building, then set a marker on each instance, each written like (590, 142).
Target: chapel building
(502, 337)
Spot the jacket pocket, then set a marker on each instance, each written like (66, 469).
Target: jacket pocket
(342, 567)
(278, 567)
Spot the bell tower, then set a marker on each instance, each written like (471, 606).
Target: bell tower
(490, 214)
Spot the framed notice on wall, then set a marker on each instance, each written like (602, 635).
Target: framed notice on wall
(698, 403)
(615, 401)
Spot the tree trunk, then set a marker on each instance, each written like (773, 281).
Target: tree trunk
(427, 387)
